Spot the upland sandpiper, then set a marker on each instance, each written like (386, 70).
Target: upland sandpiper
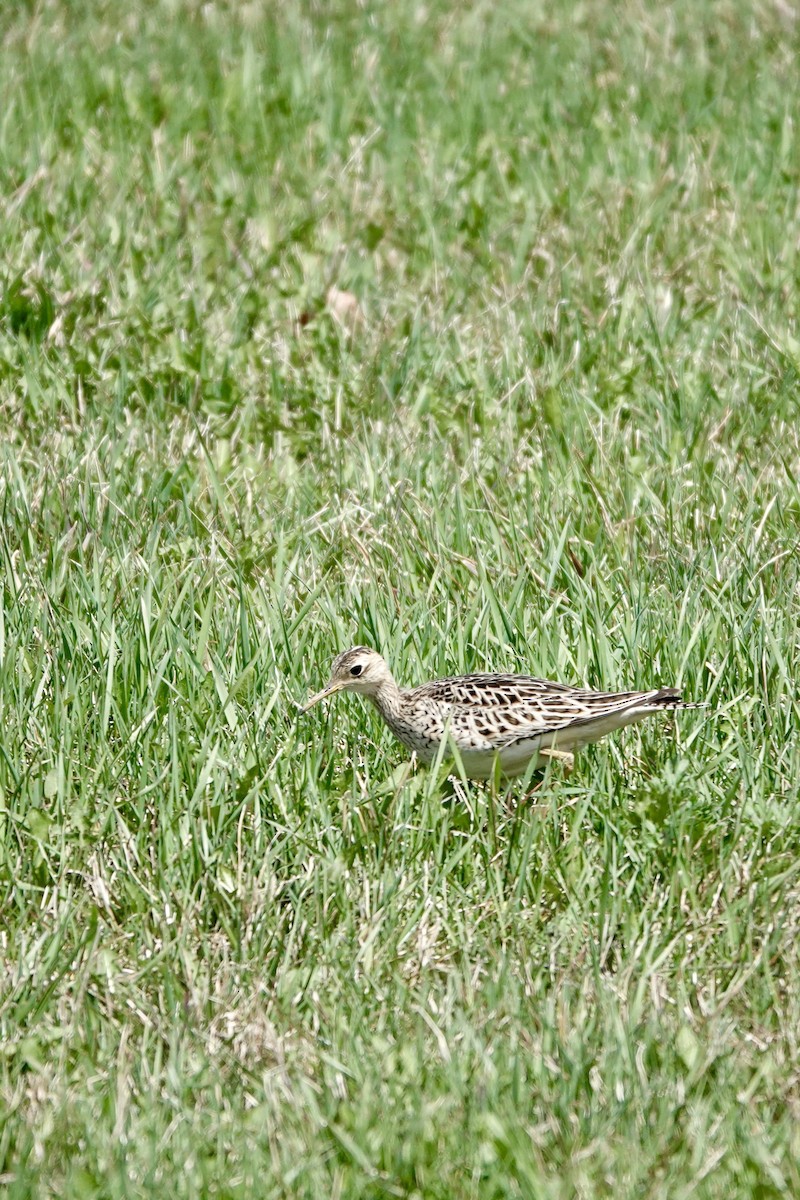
(510, 718)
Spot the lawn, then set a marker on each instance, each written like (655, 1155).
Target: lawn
(469, 332)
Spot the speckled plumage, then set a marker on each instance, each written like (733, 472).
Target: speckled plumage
(510, 717)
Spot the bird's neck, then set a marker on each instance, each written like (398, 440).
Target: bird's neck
(388, 699)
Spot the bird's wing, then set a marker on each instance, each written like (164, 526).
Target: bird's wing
(523, 706)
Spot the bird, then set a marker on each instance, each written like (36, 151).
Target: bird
(494, 721)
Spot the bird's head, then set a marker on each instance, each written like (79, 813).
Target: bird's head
(357, 670)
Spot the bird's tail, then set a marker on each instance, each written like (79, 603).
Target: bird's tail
(671, 698)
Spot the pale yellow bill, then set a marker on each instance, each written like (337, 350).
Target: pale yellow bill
(328, 690)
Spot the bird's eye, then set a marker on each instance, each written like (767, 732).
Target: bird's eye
(357, 669)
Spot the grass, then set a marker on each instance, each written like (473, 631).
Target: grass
(241, 952)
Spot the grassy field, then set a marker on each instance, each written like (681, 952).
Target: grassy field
(242, 952)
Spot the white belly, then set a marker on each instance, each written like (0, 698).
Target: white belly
(514, 760)
(480, 764)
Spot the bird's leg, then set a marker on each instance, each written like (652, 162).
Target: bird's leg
(530, 791)
(530, 787)
(563, 756)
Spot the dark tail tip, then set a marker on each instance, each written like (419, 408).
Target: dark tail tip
(671, 698)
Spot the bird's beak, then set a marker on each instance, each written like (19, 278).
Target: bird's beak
(328, 690)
